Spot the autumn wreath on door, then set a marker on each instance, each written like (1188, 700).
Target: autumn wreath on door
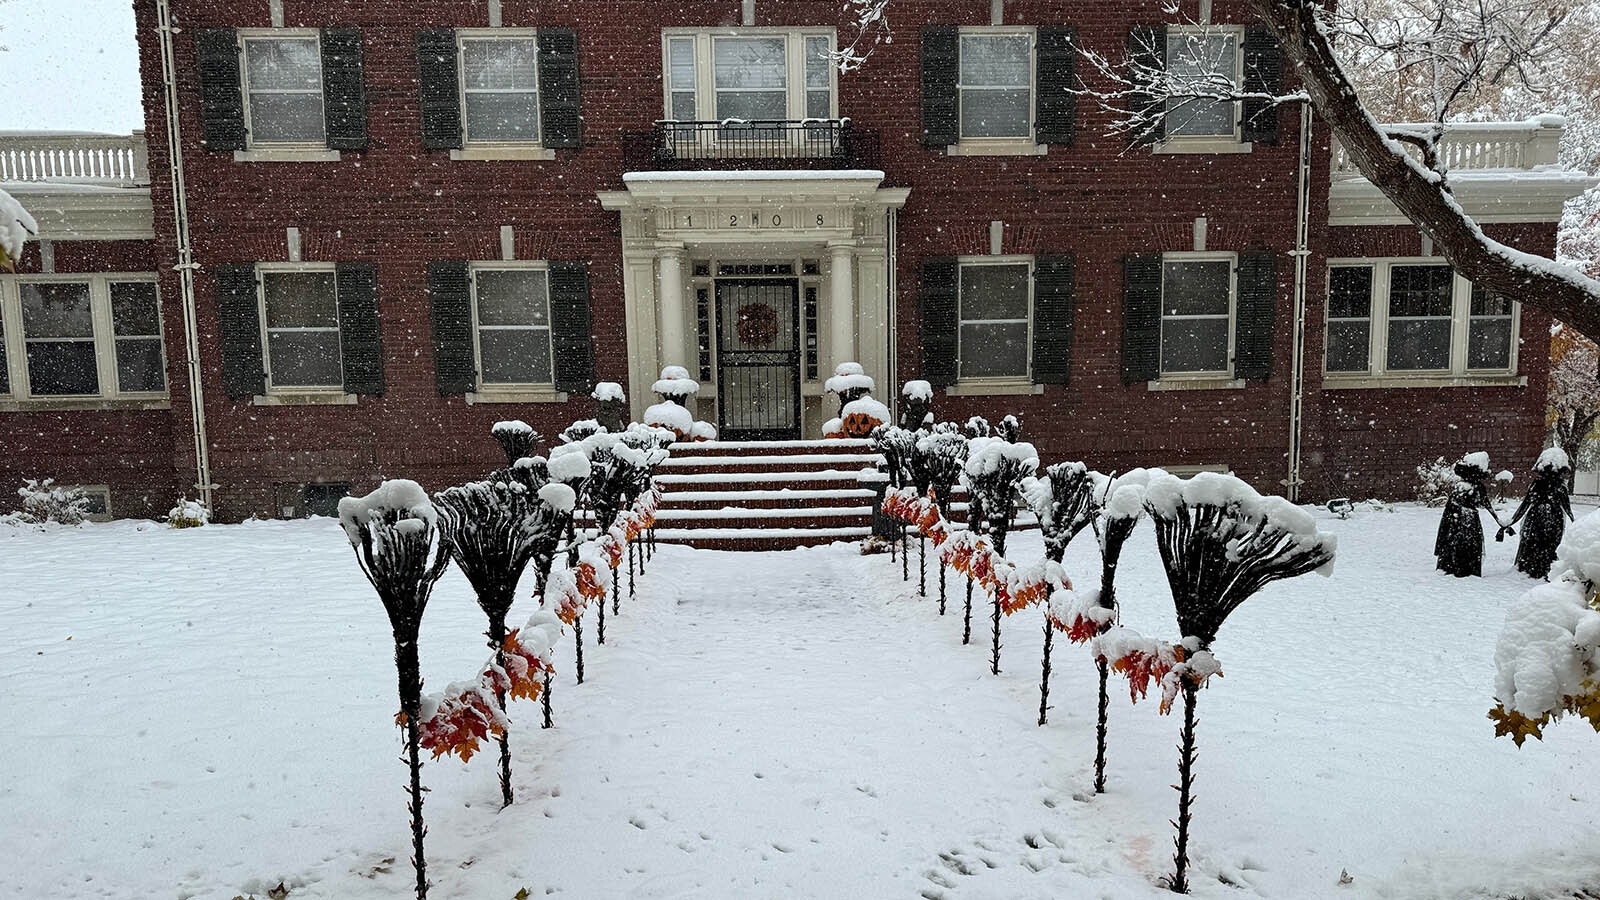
(758, 325)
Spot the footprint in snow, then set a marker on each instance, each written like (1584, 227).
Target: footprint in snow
(637, 822)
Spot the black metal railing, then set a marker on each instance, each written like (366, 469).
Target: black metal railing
(742, 144)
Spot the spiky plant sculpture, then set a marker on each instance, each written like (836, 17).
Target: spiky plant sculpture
(516, 437)
(937, 462)
(1220, 543)
(993, 473)
(492, 529)
(1066, 501)
(1122, 507)
(400, 549)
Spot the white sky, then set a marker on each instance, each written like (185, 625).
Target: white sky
(69, 65)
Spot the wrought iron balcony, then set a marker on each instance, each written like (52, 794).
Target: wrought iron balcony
(751, 144)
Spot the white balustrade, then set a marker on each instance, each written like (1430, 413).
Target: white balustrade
(1516, 146)
(98, 159)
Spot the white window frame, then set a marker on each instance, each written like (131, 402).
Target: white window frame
(537, 387)
(319, 390)
(1026, 378)
(467, 35)
(1378, 374)
(278, 34)
(705, 91)
(1023, 145)
(1232, 259)
(1210, 143)
(104, 337)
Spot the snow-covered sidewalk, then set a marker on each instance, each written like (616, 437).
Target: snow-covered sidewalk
(204, 713)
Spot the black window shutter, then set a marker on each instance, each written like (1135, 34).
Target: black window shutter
(221, 100)
(1055, 119)
(1054, 307)
(439, 89)
(1257, 308)
(940, 319)
(239, 320)
(1141, 317)
(560, 110)
(941, 104)
(455, 366)
(359, 338)
(569, 326)
(1147, 50)
(1263, 74)
(344, 89)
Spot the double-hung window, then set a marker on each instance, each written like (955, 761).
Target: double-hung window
(995, 304)
(499, 86)
(748, 74)
(283, 90)
(996, 84)
(1209, 60)
(1197, 303)
(80, 337)
(511, 326)
(1414, 318)
(300, 328)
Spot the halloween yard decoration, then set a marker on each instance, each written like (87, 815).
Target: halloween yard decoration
(1459, 544)
(916, 406)
(1220, 543)
(492, 529)
(611, 406)
(993, 475)
(1065, 501)
(1546, 508)
(941, 455)
(398, 544)
(516, 437)
(859, 413)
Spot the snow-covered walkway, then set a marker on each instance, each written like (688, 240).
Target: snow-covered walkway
(201, 714)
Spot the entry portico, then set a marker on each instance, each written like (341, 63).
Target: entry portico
(727, 266)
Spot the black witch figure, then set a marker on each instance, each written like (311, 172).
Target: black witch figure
(1544, 506)
(1459, 546)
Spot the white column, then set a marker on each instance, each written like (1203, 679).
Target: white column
(669, 296)
(842, 310)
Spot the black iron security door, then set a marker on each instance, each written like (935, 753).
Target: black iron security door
(758, 358)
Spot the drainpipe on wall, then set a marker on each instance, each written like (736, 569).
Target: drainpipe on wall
(185, 265)
(1302, 256)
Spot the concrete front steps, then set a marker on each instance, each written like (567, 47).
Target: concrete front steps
(767, 495)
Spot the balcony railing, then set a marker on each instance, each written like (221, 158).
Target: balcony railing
(1483, 145)
(100, 159)
(751, 144)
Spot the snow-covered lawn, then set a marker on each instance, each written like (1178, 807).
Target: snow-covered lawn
(204, 713)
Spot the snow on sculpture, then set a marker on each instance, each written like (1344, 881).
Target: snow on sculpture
(675, 387)
(516, 437)
(916, 406)
(993, 475)
(400, 548)
(611, 405)
(1459, 543)
(1065, 501)
(859, 413)
(1547, 507)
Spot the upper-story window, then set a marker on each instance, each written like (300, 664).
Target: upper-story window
(1210, 59)
(499, 87)
(511, 325)
(1403, 317)
(283, 89)
(1197, 306)
(995, 303)
(996, 84)
(749, 74)
(81, 336)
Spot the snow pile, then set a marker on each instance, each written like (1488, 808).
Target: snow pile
(675, 382)
(1476, 460)
(401, 498)
(1125, 493)
(917, 390)
(609, 391)
(569, 462)
(703, 431)
(559, 497)
(849, 376)
(16, 226)
(1547, 648)
(1553, 458)
(1578, 555)
(1504, 476)
(670, 416)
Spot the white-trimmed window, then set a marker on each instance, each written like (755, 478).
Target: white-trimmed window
(1197, 314)
(995, 312)
(81, 337)
(511, 325)
(1415, 317)
(282, 84)
(499, 86)
(300, 327)
(1211, 56)
(996, 84)
(748, 74)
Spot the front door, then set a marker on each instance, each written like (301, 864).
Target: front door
(758, 358)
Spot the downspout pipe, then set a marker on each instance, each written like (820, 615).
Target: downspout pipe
(185, 266)
(1302, 257)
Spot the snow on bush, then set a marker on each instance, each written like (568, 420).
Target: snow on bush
(16, 226)
(1435, 481)
(44, 502)
(188, 514)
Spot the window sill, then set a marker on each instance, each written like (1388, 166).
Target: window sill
(993, 387)
(1218, 383)
(1178, 146)
(305, 398)
(517, 152)
(1001, 147)
(285, 154)
(1364, 382)
(528, 395)
(82, 404)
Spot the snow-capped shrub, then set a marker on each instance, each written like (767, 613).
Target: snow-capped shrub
(16, 226)
(188, 514)
(1435, 481)
(44, 502)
